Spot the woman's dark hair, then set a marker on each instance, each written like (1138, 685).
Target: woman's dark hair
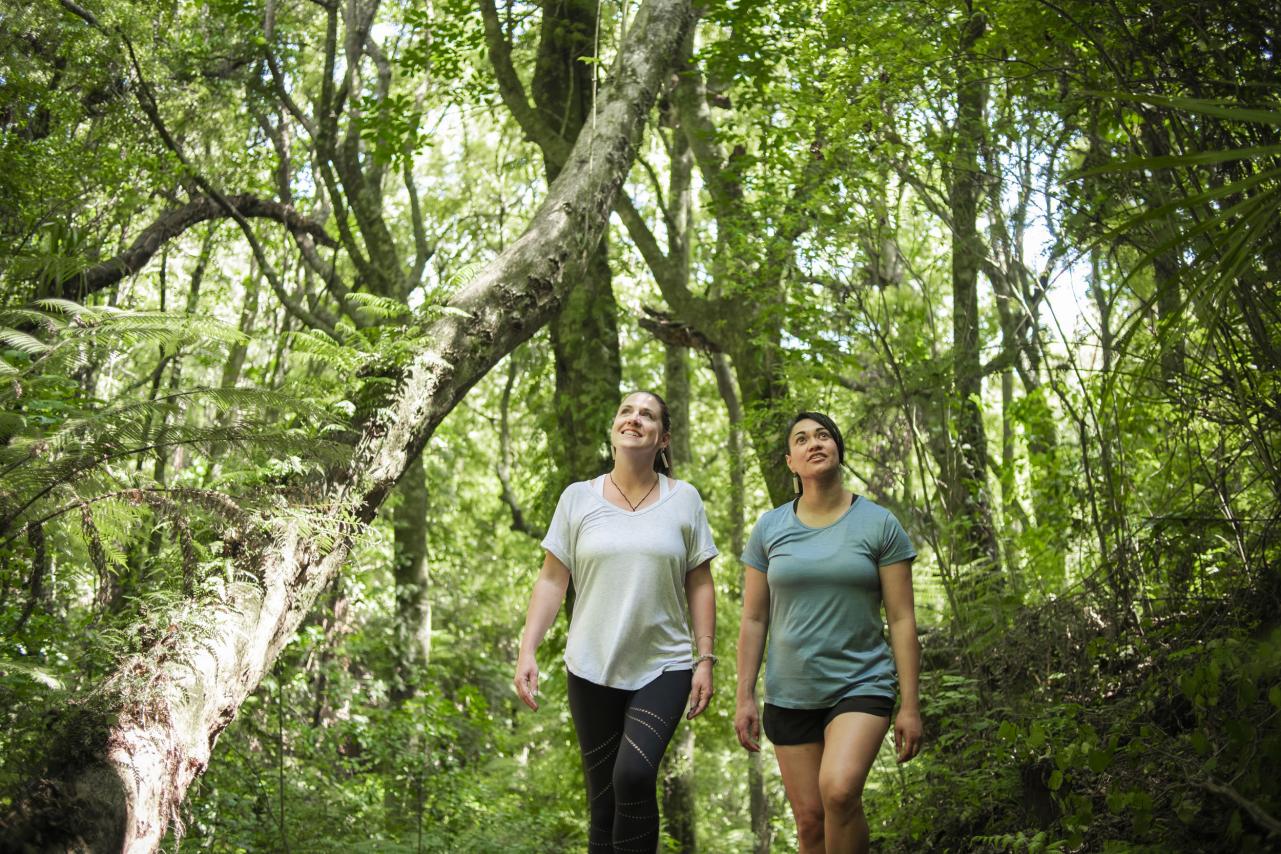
(827, 424)
(665, 417)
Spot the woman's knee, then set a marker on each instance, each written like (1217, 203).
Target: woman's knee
(842, 797)
(809, 822)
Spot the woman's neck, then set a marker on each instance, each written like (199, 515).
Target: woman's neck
(630, 471)
(822, 494)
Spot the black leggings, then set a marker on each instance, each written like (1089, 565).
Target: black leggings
(621, 783)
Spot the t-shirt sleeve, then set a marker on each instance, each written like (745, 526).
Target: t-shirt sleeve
(754, 552)
(895, 544)
(558, 540)
(700, 546)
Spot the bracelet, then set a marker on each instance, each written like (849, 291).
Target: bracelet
(707, 656)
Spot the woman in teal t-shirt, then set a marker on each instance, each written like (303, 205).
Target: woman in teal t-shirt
(818, 570)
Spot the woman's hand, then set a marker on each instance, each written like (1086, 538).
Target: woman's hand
(908, 733)
(527, 680)
(700, 690)
(747, 725)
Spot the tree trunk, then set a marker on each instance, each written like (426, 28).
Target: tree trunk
(588, 371)
(758, 800)
(248, 317)
(680, 812)
(967, 472)
(585, 332)
(1165, 265)
(764, 388)
(676, 381)
(413, 583)
(119, 764)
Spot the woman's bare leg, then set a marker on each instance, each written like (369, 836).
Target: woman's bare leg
(799, 766)
(851, 742)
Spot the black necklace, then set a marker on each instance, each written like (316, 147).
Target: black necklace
(610, 475)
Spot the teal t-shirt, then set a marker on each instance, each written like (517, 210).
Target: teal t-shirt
(826, 636)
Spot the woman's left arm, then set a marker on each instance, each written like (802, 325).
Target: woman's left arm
(701, 596)
(900, 611)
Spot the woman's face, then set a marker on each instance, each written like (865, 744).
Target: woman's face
(639, 423)
(811, 449)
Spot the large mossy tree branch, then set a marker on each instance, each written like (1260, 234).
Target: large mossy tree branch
(173, 223)
(122, 759)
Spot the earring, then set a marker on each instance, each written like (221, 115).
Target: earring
(667, 462)
(796, 484)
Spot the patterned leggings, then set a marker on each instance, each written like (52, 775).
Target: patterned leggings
(622, 735)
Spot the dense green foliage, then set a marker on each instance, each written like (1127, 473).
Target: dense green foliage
(1098, 523)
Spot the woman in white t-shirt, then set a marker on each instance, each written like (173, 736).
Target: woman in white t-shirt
(637, 545)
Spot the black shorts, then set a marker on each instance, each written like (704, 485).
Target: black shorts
(805, 726)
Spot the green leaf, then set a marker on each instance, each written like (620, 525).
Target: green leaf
(22, 341)
(1205, 107)
(1174, 161)
(1056, 780)
(33, 673)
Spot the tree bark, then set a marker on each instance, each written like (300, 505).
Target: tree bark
(585, 332)
(676, 383)
(758, 800)
(121, 761)
(169, 225)
(680, 810)
(413, 582)
(967, 470)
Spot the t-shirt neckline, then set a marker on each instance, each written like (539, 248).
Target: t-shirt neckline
(797, 517)
(666, 490)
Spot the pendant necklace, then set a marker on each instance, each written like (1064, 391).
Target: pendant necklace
(610, 475)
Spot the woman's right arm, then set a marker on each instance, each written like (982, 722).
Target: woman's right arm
(544, 603)
(751, 648)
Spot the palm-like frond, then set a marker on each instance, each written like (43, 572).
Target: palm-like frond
(377, 307)
(1219, 231)
(326, 351)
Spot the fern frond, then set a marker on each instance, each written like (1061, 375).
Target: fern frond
(44, 320)
(68, 307)
(35, 674)
(325, 350)
(464, 274)
(23, 342)
(381, 308)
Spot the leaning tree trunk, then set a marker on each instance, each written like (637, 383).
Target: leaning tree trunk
(121, 761)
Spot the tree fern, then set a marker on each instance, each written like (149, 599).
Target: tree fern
(69, 463)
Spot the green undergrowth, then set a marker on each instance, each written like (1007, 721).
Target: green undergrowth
(1165, 737)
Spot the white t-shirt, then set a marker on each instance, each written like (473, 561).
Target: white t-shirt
(630, 614)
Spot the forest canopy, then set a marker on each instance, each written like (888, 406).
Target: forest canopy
(310, 309)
